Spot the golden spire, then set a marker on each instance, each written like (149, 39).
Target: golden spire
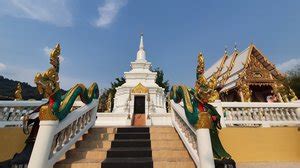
(235, 47)
(18, 92)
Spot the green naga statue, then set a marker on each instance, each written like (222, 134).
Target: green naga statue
(57, 107)
(60, 105)
(199, 112)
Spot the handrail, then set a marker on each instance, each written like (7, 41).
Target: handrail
(55, 138)
(11, 112)
(197, 141)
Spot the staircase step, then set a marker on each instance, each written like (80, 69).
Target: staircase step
(99, 136)
(173, 163)
(129, 152)
(170, 144)
(142, 162)
(170, 154)
(79, 163)
(93, 144)
(133, 135)
(133, 129)
(111, 136)
(162, 130)
(86, 153)
(102, 130)
(164, 136)
(131, 143)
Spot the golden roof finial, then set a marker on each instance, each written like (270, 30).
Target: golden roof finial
(235, 47)
(18, 92)
(225, 52)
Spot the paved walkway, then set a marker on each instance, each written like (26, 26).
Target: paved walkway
(269, 165)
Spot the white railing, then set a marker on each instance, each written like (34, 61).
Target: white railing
(257, 114)
(54, 138)
(11, 112)
(197, 142)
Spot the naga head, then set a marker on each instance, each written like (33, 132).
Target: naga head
(204, 89)
(47, 82)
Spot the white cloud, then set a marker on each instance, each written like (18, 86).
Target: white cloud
(288, 65)
(47, 51)
(108, 12)
(51, 11)
(2, 66)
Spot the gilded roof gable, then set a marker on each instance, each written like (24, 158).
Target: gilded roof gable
(139, 88)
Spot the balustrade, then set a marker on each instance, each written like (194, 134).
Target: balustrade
(240, 114)
(55, 138)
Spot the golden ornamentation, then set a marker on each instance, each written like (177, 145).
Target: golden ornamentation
(46, 114)
(204, 120)
(228, 71)
(108, 102)
(140, 89)
(205, 91)
(47, 82)
(18, 92)
(212, 85)
(292, 95)
(244, 89)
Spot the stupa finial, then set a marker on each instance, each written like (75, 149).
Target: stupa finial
(141, 54)
(142, 41)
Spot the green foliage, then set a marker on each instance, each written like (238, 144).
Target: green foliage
(160, 81)
(293, 80)
(112, 90)
(8, 88)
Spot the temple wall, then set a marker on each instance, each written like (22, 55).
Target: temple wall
(12, 140)
(281, 144)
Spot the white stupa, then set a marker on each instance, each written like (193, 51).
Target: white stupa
(140, 94)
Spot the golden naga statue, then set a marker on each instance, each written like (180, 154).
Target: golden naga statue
(59, 106)
(205, 91)
(199, 113)
(292, 95)
(246, 92)
(18, 92)
(47, 82)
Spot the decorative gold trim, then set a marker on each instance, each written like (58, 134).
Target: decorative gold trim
(140, 88)
(46, 114)
(204, 120)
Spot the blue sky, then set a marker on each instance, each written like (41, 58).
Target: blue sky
(99, 38)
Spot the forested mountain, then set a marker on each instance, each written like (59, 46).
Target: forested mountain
(8, 87)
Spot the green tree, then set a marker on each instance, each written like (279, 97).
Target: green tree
(293, 79)
(112, 90)
(160, 81)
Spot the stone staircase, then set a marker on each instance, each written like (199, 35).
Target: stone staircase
(158, 147)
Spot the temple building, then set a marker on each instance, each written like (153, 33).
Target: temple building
(249, 76)
(140, 95)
